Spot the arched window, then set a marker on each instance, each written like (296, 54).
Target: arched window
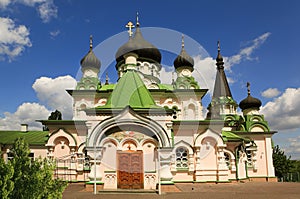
(191, 112)
(249, 158)
(227, 159)
(182, 158)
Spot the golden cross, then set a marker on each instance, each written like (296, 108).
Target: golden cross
(130, 26)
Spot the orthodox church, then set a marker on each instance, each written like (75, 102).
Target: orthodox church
(139, 133)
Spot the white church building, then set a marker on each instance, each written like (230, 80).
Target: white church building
(138, 133)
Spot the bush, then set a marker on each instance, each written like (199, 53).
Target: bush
(27, 178)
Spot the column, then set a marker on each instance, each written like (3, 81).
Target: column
(222, 167)
(269, 152)
(96, 155)
(165, 159)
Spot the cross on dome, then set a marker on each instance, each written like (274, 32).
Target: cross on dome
(137, 19)
(106, 79)
(91, 42)
(248, 87)
(130, 26)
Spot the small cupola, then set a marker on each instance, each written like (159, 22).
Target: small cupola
(184, 60)
(250, 104)
(90, 60)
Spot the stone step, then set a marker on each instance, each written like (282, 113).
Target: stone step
(129, 191)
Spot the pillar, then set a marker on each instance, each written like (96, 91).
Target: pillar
(165, 159)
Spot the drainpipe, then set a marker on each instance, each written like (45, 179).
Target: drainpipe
(158, 168)
(95, 185)
(246, 166)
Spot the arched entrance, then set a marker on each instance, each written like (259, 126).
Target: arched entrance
(128, 145)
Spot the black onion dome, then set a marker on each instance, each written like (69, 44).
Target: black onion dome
(125, 48)
(139, 46)
(250, 102)
(90, 59)
(183, 59)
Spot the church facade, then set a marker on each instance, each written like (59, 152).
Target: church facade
(138, 133)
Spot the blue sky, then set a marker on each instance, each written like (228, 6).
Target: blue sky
(42, 42)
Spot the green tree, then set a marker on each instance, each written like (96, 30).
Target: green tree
(6, 184)
(281, 162)
(33, 178)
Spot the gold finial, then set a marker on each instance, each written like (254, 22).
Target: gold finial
(219, 48)
(182, 40)
(130, 26)
(137, 19)
(91, 42)
(248, 87)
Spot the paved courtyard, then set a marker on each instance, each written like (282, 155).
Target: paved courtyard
(255, 190)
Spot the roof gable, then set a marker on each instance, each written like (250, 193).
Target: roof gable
(130, 91)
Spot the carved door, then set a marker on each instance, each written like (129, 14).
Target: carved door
(130, 170)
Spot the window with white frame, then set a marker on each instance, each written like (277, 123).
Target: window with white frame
(182, 158)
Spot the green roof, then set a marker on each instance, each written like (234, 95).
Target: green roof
(166, 86)
(31, 137)
(107, 87)
(130, 91)
(229, 136)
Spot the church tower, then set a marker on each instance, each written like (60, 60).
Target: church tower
(184, 66)
(252, 120)
(139, 54)
(90, 67)
(250, 105)
(222, 102)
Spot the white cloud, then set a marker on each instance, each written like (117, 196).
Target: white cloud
(246, 53)
(52, 93)
(4, 3)
(47, 11)
(54, 33)
(27, 113)
(205, 72)
(270, 93)
(166, 74)
(283, 113)
(293, 148)
(13, 38)
(29, 2)
(46, 8)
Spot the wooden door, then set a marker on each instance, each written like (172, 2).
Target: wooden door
(130, 170)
